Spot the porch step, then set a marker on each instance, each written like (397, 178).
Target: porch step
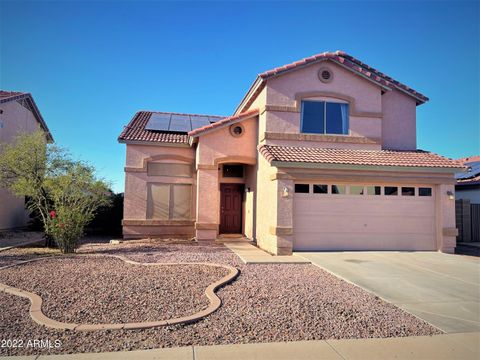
(251, 254)
(233, 238)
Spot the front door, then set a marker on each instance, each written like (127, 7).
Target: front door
(231, 196)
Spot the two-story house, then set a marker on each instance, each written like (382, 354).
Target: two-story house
(320, 155)
(18, 115)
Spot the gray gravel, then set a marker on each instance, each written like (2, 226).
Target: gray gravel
(108, 290)
(266, 303)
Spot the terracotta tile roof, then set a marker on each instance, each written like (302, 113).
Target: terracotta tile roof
(472, 175)
(343, 59)
(224, 122)
(135, 130)
(356, 157)
(9, 95)
(6, 96)
(471, 181)
(470, 159)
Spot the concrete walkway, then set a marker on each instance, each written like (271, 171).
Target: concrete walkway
(461, 346)
(251, 254)
(441, 289)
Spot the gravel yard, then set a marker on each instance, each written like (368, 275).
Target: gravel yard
(266, 303)
(107, 290)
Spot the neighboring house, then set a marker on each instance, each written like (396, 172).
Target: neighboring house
(320, 155)
(468, 182)
(467, 196)
(18, 114)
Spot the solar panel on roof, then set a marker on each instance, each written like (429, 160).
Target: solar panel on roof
(199, 121)
(158, 122)
(475, 170)
(180, 123)
(214, 118)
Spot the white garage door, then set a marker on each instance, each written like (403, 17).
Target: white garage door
(363, 217)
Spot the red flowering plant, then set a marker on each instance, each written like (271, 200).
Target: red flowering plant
(63, 192)
(76, 195)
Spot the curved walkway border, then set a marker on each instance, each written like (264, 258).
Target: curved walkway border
(40, 318)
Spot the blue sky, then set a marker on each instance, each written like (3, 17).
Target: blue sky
(90, 66)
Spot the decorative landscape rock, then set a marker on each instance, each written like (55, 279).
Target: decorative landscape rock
(135, 296)
(265, 303)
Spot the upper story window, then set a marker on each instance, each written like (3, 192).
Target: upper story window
(322, 117)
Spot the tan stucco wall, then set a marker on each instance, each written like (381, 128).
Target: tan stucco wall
(220, 144)
(364, 98)
(216, 148)
(399, 121)
(388, 118)
(14, 120)
(136, 180)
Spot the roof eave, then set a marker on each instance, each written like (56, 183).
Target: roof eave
(247, 96)
(263, 78)
(385, 87)
(308, 165)
(153, 143)
(240, 119)
(36, 112)
(39, 118)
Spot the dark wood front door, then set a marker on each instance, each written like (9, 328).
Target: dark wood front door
(231, 197)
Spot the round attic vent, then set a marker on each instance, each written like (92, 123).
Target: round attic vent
(325, 75)
(237, 130)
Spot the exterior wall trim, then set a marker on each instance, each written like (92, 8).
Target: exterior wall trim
(281, 176)
(371, 178)
(415, 169)
(321, 137)
(206, 167)
(450, 231)
(281, 230)
(154, 143)
(235, 159)
(206, 226)
(152, 222)
(156, 158)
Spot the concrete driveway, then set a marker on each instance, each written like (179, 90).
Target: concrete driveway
(442, 289)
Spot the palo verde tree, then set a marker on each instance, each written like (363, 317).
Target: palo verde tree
(64, 192)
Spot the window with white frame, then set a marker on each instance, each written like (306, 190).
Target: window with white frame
(169, 201)
(322, 117)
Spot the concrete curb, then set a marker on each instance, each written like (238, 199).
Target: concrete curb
(40, 318)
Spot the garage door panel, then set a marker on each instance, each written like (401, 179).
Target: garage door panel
(364, 242)
(372, 207)
(381, 223)
(360, 222)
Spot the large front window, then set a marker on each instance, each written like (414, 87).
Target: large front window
(322, 117)
(169, 201)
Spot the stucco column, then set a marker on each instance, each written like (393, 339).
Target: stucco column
(446, 229)
(282, 228)
(208, 203)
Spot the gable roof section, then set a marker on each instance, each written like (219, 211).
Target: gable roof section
(135, 130)
(417, 159)
(7, 96)
(339, 57)
(224, 122)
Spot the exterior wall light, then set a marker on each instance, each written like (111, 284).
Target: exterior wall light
(285, 192)
(451, 195)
